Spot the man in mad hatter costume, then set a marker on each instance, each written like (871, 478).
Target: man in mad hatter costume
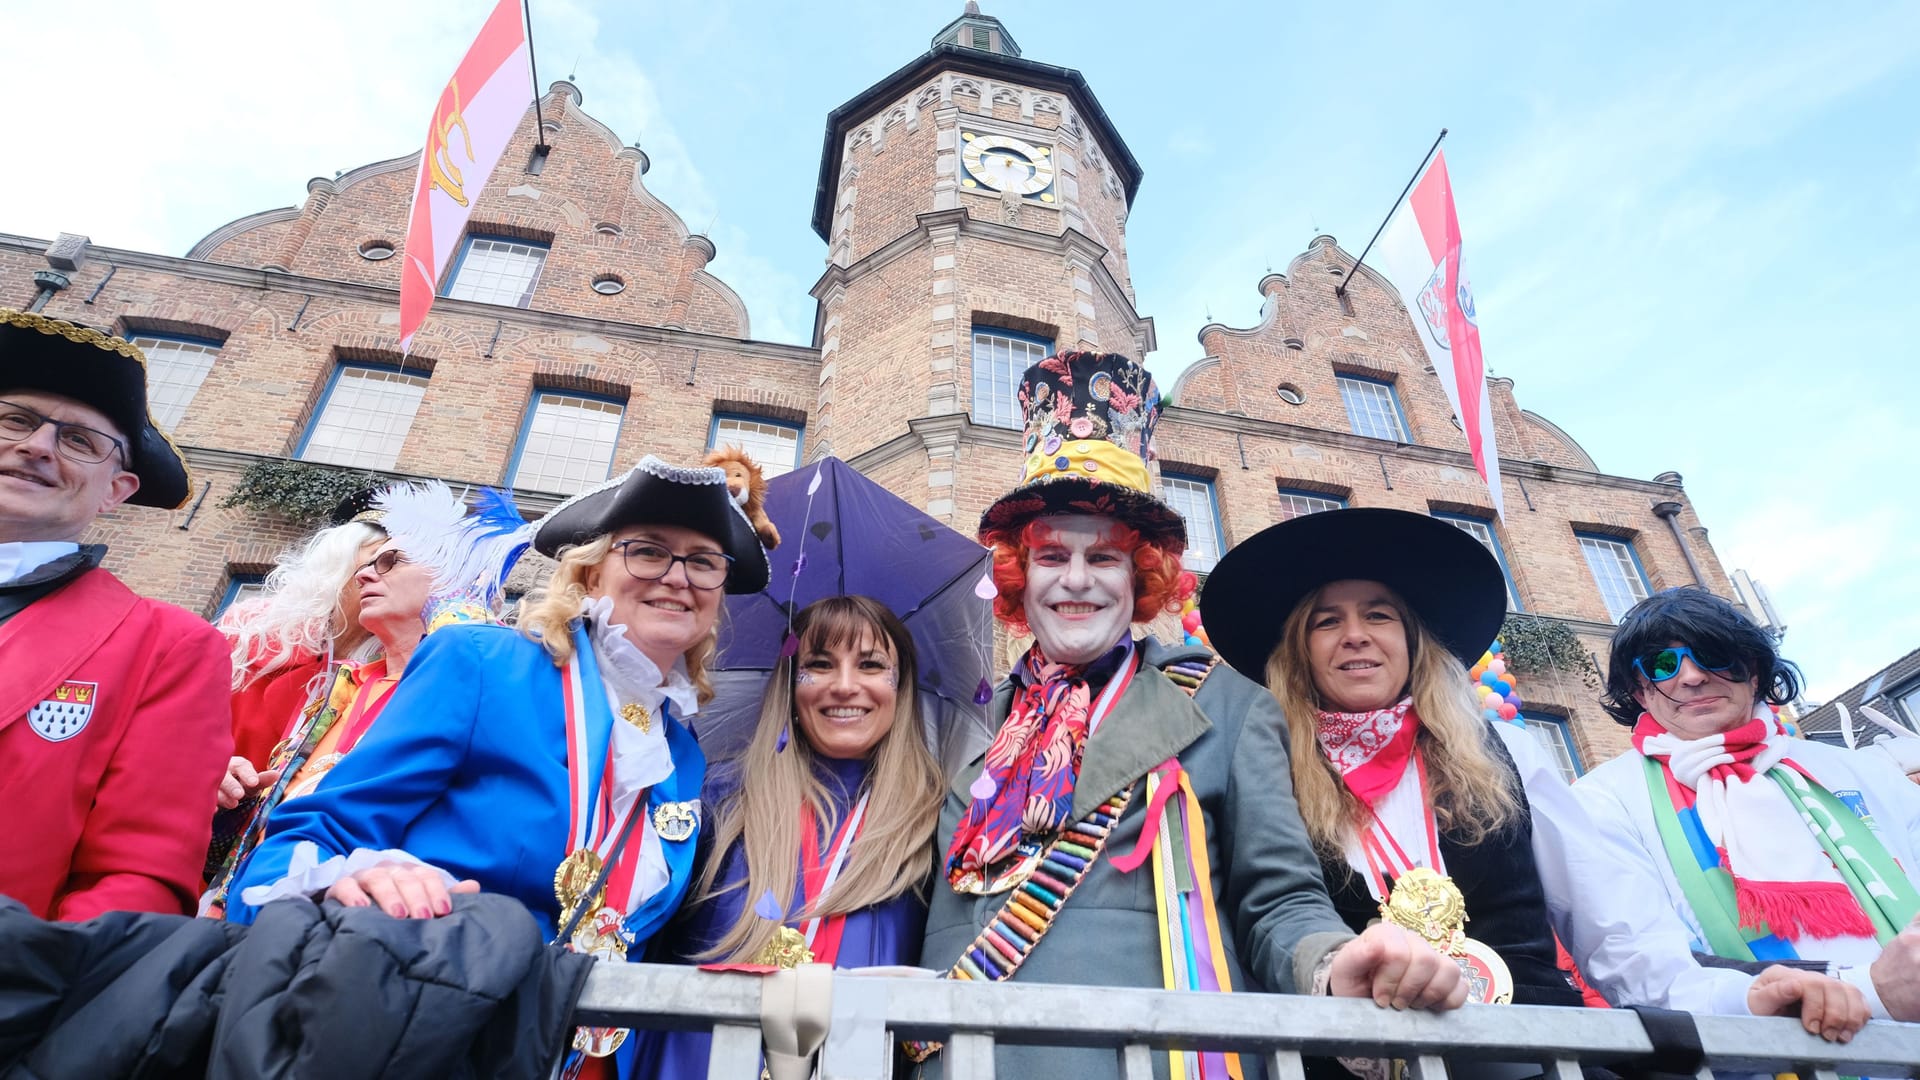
(1116, 753)
(114, 724)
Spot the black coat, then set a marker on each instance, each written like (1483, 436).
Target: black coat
(308, 990)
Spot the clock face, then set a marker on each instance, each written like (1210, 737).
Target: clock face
(1004, 163)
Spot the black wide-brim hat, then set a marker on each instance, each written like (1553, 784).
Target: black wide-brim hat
(102, 372)
(656, 493)
(1447, 577)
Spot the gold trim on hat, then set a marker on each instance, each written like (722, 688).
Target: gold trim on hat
(81, 334)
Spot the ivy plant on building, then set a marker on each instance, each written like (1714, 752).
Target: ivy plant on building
(1546, 646)
(300, 491)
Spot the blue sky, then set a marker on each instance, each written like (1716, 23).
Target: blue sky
(1693, 230)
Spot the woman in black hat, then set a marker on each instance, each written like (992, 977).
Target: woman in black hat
(552, 764)
(1362, 623)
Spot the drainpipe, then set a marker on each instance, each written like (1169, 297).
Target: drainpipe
(1670, 510)
(64, 256)
(48, 282)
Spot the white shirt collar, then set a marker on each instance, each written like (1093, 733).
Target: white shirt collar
(22, 557)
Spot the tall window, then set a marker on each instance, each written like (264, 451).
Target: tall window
(1194, 498)
(1000, 357)
(176, 366)
(1481, 529)
(1910, 702)
(240, 587)
(1295, 504)
(773, 446)
(1552, 734)
(1616, 569)
(496, 270)
(1373, 409)
(567, 443)
(364, 419)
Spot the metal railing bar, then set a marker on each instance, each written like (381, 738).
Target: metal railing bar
(969, 1056)
(1136, 1062)
(1285, 1065)
(1564, 1068)
(736, 1052)
(1426, 1067)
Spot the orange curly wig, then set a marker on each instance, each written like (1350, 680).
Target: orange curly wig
(1160, 583)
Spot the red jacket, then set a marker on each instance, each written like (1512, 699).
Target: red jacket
(263, 713)
(114, 734)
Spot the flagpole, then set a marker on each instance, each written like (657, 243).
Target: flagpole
(539, 121)
(1341, 289)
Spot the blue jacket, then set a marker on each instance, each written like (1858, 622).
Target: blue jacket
(466, 769)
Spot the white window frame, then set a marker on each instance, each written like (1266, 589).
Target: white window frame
(358, 395)
(1295, 503)
(1624, 583)
(1373, 408)
(1555, 737)
(764, 440)
(997, 370)
(567, 442)
(493, 270)
(1482, 530)
(1197, 501)
(176, 366)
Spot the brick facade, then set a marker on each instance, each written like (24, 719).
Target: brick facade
(916, 259)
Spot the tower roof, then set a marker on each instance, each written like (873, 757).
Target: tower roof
(1004, 63)
(973, 30)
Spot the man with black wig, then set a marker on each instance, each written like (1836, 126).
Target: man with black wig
(1772, 848)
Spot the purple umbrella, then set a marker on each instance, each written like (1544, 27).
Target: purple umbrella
(843, 534)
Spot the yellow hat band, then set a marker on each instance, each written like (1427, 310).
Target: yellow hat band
(1091, 459)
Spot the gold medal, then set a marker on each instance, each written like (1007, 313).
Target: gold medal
(1430, 904)
(598, 1042)
(675, 821)
(787, 949)
(601, 935)
(571, 881)
(636, 714)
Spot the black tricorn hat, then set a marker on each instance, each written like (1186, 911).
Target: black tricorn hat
(656, 493)
(102, 372)
(1449, 579)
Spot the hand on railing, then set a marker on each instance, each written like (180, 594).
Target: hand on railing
(1896, 974)
(402, 890)
(1398, 970)
(1827, 1007)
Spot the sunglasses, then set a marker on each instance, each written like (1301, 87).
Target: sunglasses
(1659, 665)
(384, 562)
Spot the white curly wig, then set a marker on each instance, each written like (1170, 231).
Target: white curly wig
(300, 610)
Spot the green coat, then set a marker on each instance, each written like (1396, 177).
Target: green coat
(1274, 911)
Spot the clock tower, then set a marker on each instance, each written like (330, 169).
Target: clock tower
(974, 205)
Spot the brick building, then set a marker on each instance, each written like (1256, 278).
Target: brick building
(974, 206)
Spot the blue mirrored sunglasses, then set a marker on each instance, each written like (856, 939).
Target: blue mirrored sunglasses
(1659, 665)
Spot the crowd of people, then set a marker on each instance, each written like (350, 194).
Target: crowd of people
(1317, 809)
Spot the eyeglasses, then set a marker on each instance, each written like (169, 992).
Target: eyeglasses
(648, 561)
(1659, 665)
(383, 563)
(77, 442)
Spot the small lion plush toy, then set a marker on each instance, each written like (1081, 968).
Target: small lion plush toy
(749, 489)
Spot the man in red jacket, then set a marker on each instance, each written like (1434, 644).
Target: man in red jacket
(114, 716)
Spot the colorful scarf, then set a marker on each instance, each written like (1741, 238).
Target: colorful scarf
(1026, 782)
(1749, 802)
(1370, 750)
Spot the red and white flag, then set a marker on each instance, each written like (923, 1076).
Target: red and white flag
(478, 113)
(1420, 254)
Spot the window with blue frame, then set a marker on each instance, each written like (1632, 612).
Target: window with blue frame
(1556, 738)
(364, 417)
(1373, 408)
(1295, 503)
(497, 270)
(1616, 570)
(240, 587)
(176, 366)
(773, 445)
(566, 442)
(1000, 358)
(1481, 529)
(1193, 496)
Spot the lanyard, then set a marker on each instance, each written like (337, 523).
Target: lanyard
(368, 700)
(590, 811)
(1381, 863)
(823, 931)
(1115, 687)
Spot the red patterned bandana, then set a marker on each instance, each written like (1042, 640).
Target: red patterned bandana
(1370, 749)
(1026, 782)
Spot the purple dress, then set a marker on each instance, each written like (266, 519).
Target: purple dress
(886, 933)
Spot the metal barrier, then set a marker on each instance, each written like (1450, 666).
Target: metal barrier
(870, 1012)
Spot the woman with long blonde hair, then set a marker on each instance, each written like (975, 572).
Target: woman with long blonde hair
(822, 829)
(1362, 624)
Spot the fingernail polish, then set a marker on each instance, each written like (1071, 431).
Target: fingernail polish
(397, 911)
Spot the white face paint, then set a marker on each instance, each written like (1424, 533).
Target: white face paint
(1079, 588)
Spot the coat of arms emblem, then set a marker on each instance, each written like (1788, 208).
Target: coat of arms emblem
(64, 712)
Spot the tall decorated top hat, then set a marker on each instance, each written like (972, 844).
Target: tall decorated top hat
(1089, 420)
(105, 373)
